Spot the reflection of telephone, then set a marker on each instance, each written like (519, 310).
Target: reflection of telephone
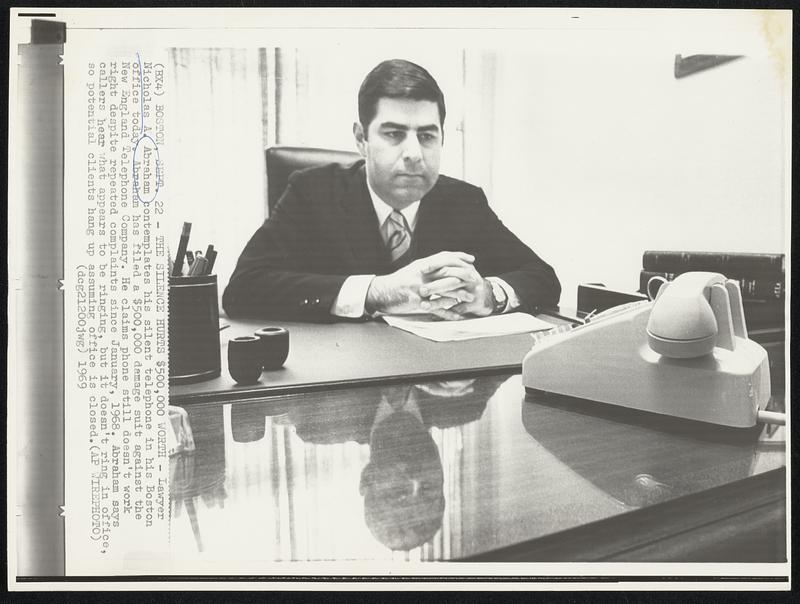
(686, 354)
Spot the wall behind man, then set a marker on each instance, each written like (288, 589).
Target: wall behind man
(597, 152)
(317, 104)
(587, 146)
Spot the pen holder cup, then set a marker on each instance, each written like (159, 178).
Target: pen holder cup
(194, 351)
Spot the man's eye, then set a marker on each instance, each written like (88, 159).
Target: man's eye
(427, 137)
(393, 134)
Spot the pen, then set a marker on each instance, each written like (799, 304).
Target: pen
(199, 266)
(177, 268)
(552, 313)
(198, 256)
(193, 267)
(211, 256)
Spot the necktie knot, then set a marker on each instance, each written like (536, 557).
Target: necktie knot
(397, 235)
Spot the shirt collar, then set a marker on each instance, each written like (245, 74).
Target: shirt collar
(385, 409)
(383, 209)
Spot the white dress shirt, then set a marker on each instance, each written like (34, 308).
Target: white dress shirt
(353, 295)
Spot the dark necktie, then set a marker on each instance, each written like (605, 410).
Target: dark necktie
(396, 234)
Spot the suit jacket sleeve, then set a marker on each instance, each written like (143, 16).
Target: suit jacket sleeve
(500, 253)
(275, 274)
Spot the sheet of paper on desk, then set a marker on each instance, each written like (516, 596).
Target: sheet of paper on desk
(433, 328)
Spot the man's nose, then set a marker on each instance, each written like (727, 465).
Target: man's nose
(412, 151)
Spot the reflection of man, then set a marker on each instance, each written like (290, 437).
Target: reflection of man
(402, 483)
(334, 418)
(387, 234)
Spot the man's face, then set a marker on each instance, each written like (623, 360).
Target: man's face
(403, 148)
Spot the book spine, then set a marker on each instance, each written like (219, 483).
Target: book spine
(756, 288)
(740, 263)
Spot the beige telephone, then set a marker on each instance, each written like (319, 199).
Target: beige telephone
(686, 354)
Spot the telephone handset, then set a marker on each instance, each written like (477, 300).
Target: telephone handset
(685, 354)
(695, 313)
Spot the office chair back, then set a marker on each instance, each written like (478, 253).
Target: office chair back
(282, 161)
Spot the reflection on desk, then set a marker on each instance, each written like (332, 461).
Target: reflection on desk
(431, 471)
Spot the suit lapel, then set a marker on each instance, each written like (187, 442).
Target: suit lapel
(361, 226)
(427, 234)
(362, 230)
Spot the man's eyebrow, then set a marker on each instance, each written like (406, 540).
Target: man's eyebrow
(395, 126)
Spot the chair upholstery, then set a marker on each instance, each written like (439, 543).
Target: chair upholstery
(282, 161)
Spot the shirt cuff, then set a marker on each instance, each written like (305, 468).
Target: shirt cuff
(513, 302)
(350, 301)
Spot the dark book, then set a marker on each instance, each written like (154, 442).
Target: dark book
(755, 288)
(761, 314)
(596, 297)
(740, 263)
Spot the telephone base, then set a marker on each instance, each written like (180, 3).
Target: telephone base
(611, 362)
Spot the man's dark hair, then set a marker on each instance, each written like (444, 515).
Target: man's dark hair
(397, 79)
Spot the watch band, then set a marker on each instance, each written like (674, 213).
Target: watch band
(499, 297)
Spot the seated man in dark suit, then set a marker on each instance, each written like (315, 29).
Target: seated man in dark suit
(387, 234)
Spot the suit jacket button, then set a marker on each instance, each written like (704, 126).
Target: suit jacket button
(304, 302)
(316, 301)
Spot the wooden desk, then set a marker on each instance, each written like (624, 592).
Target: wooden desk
(467, 470)
(345, 353)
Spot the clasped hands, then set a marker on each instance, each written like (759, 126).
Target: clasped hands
(445, 284)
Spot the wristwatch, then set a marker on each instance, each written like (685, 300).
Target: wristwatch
(499, 297)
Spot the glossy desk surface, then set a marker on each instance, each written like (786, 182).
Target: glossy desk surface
(339, 353)
(450, 470)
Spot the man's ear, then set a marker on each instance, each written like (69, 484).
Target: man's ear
(361, 139)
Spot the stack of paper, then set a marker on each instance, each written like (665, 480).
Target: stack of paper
(433, 328)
